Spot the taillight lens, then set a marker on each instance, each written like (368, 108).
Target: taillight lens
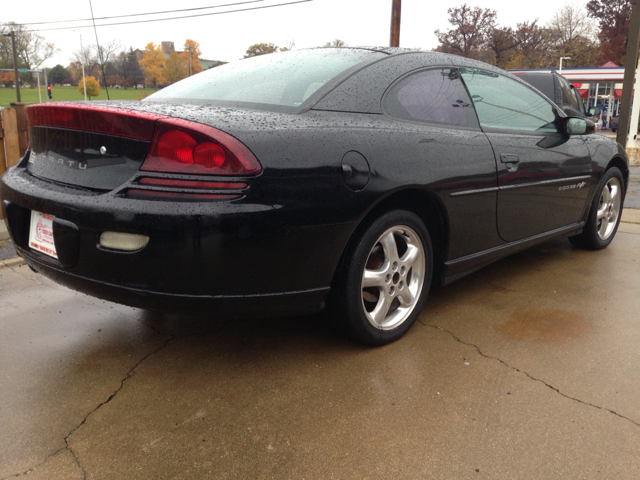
(181, 146)
(175, 147)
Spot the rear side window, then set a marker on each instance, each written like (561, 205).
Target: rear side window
(433, 96)
(504, 103)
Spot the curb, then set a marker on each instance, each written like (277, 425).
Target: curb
(630, 215)
(12, 262)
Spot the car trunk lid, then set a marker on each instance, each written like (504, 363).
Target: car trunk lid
(93, 147)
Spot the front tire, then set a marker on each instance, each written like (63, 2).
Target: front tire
(604, 215)
(385, 278)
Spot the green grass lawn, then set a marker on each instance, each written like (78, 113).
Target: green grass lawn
(30, 95)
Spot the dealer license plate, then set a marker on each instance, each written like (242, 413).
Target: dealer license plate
(41, 234)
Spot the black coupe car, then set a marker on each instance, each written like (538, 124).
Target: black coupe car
(356, 177)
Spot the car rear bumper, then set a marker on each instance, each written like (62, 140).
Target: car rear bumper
(290, 303)
(225, 258)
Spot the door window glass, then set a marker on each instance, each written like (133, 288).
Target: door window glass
(568, 97)
(435, 96)
(503, 103)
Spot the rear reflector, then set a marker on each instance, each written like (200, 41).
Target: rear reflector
(127, 242)
(168, 182)
(150, 194)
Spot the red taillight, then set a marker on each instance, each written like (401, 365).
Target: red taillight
(181, 146)
(209, 155)
(175, 148)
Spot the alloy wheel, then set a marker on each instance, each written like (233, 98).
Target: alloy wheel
(393, 277)
(609, 208)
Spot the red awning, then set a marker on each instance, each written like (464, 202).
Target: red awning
(577, 85)
(584, 92)
(617, 93)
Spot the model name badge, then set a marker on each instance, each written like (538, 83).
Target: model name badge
(41, 157)
(571, 187)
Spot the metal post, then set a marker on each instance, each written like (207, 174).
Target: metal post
(39, 93)
(46, 82)
(612, 89)
(635, 112)
(15, 66)
(396, 7)
(84, 82)
(633, 40)
(189, 61)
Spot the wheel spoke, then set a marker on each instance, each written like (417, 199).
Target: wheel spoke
(613, 194)
(410, 255)
(390, 247)
(406, 297)
(606, 195)
(602, 211)
(382, 308)
(604, 225)
(373, 278)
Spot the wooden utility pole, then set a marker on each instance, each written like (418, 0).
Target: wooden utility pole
(633, 39)
(395, 23)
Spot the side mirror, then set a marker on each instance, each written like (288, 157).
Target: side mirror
(579, 126)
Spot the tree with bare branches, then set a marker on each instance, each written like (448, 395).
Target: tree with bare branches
(572, 35)
(471, 28)
(335, 43)
(32, 49)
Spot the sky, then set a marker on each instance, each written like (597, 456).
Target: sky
(226, 36)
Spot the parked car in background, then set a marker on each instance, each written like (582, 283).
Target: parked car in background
(356, 177)
(561, 92)
(614, 124)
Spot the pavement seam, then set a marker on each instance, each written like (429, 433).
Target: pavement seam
(557, 390)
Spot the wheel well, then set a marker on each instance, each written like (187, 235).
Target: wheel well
(428, 208)
(624, 168)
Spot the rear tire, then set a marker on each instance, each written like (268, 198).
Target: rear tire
(385, 278)
(604, 215)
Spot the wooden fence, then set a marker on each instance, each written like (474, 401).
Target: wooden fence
(14, 136)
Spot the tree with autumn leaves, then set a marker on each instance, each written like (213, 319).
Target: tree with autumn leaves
(163, 70)
(153, 64)
(93, 87)
(192, 51)
(613, 17)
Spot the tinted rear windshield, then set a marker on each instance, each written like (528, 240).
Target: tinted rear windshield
(284, 79)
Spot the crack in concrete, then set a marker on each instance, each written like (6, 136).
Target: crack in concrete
(555, 389)
(129, 374)
(75, 457)
(26, 472)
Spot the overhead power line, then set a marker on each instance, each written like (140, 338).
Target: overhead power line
(173, 18)
(138, 14)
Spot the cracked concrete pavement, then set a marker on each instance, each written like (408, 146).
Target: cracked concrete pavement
(526, 369)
